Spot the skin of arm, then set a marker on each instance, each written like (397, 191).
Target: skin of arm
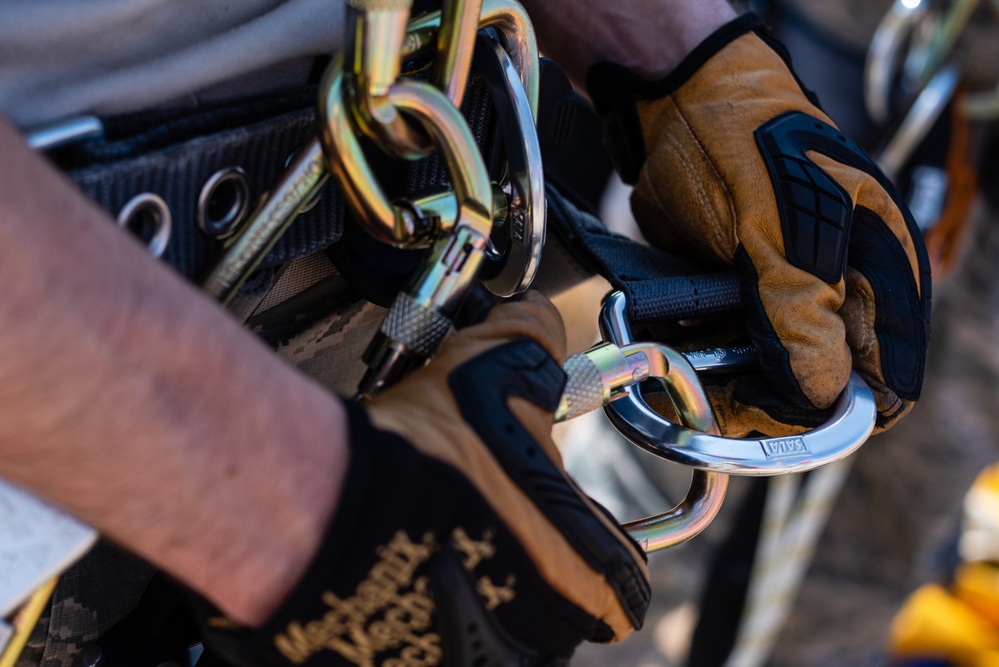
(650, 38)
(137, 404)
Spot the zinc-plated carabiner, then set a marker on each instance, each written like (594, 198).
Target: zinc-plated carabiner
(850, 425)
(514, 29)
(600, 376)
(376, 48)
(455, 46)
(374, 60)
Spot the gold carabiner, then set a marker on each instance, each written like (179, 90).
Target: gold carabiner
(421, 315)
(454, 30)
(376, 50)
(402, 225)
(455, 47)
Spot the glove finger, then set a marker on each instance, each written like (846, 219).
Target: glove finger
(793, 320)
(748, 405)
(860, 312)
(532, 316)
(886, 310)
(459, 409)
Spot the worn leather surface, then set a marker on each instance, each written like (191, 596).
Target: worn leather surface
(705, 189)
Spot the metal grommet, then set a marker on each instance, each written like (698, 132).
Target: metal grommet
(148, 217)
(223, 202)
(311, 204)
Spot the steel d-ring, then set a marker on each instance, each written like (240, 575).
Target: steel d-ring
(850, 425)
(512, 269)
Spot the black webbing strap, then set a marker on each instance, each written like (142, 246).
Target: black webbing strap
(178, 172)
(658, 285)
(173, 154)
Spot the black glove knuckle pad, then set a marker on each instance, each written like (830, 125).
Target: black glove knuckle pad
(823, 232)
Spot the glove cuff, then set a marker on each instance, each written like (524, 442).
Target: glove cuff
(610, 85)
(615, 88)
(238, 644)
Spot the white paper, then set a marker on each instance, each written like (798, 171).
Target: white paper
(37, 542)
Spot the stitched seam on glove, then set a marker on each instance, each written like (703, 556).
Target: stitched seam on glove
(718, 223)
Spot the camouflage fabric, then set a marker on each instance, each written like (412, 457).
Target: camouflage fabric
(90, 598)
(330, 350)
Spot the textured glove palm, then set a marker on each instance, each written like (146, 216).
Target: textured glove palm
(731, 161)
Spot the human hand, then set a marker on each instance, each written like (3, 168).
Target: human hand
(459, 540)
(733, 162)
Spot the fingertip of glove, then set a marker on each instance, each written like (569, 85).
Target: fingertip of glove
(533, 316)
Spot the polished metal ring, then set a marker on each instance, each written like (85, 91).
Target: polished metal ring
(223, 203)
(848, 428)
(146, 211)
(516, 264)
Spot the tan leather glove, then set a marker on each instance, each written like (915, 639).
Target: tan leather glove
(459, 540)
(732, 162)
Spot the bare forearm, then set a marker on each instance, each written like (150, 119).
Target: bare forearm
(135, 403)
(650, 37)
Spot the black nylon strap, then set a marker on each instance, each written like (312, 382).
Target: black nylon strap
(173, 157)
(177, 174)
(659, 286)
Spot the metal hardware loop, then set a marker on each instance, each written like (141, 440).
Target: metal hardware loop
(600, 376)
(420, 316)
(308, 171)
(403, 226)
(520, 208)
(848, 428)
(381, 40)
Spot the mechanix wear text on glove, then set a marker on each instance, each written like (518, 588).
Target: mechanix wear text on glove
(459, 540)
(733, 162)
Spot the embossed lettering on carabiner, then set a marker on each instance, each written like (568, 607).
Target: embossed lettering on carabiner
(519, 231)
